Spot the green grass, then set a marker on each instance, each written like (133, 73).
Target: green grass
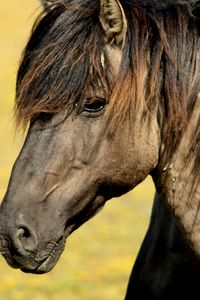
(99, 256)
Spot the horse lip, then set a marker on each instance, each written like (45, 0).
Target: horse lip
(50, 260)
(47, 265)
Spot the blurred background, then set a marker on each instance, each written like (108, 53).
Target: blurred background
(99, 256)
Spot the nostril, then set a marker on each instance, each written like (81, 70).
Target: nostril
(23, 232)
(25, 240)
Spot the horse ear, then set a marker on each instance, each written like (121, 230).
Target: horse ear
(113, 21)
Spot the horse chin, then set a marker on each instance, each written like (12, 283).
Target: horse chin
(49, 262)
(45, 267)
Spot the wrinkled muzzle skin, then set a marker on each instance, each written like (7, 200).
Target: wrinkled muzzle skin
(68, 168)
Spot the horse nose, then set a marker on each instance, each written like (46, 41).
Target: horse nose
(25, 240)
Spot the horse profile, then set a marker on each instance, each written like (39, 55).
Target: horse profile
(111, 92)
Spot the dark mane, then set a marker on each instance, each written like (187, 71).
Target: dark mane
(56, 64)
(160, 64)
(164, 4)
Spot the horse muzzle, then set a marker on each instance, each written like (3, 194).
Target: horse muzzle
(22, 249)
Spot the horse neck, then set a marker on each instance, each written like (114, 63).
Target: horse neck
(179, 179)
(165, 261)
(164, 236)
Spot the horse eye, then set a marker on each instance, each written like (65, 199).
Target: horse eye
(93, 105)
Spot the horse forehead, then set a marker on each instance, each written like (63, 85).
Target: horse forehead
(114, 56)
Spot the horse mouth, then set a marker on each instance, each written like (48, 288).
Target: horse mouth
(47, 263)
(35, 264)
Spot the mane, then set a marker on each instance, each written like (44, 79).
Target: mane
(160, 66)
(61, 60)
(164, 4)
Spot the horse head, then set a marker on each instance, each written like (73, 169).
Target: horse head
(107, 105)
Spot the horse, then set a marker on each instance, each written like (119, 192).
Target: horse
(110, 91)
(166, 266)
